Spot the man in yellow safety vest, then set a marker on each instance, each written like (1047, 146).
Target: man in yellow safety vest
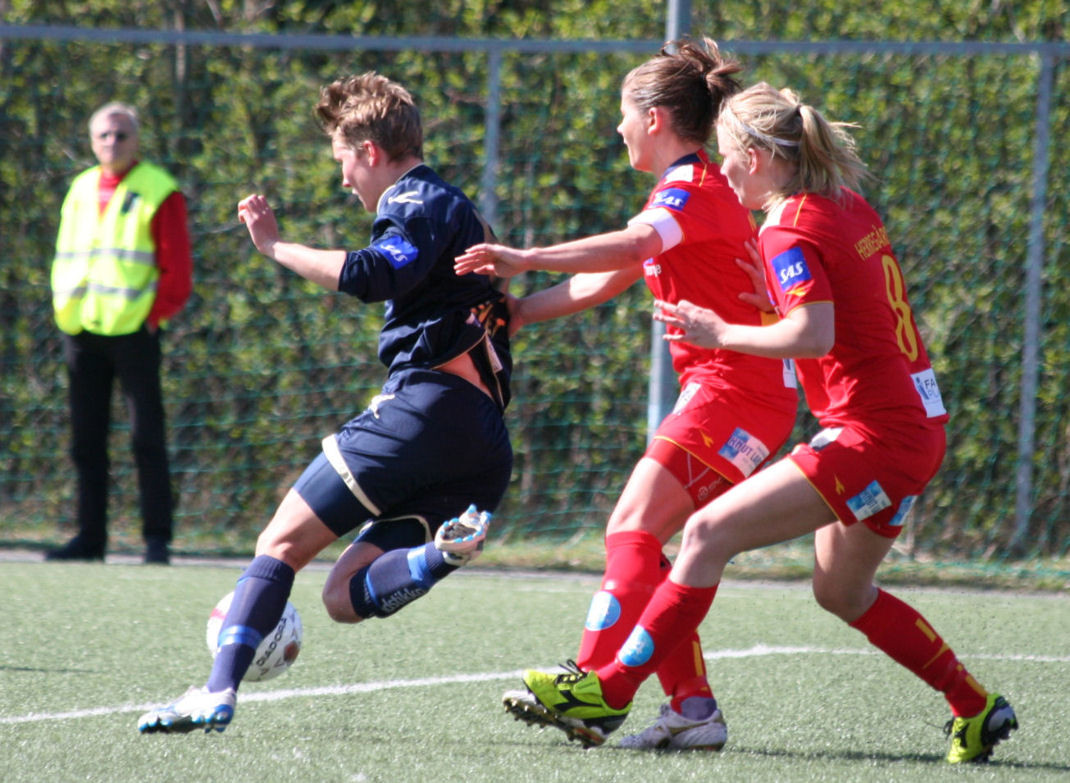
(122, 269)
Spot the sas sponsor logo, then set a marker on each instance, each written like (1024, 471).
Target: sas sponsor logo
(791, 269)
(671, 198)
(869, 501)
(398, 251)
(744, 451)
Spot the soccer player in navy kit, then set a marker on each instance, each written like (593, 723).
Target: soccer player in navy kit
(430, 457)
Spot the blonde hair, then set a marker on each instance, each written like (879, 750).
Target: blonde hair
(373, 108)
(689, 79)
(776, 120)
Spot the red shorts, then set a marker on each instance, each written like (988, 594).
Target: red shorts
(867, 478)
(717, 436)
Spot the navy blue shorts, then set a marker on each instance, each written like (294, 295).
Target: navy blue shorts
(428, 445)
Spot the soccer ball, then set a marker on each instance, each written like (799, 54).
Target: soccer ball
(276, 652)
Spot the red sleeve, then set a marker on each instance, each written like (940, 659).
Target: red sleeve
(171, 234)
(794, 272)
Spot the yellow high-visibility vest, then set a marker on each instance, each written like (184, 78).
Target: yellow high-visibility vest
(104, 275)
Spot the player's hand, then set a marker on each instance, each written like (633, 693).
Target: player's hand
(755, 269)
(696, 325)
(490, 259)
(255, 212)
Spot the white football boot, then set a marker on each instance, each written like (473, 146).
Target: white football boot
(196, 709)
(460, 540)
(673, 731)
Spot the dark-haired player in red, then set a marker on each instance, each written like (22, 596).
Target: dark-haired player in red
(734, 411)
(847, 320)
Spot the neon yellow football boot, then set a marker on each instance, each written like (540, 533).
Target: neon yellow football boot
(571, 701)
(972, 739)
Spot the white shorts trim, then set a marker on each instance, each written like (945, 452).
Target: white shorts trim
(334, 456)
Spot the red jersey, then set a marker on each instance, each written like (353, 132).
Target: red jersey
(878, 372)
(703, 228)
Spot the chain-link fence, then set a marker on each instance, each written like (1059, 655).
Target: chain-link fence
(261, 365)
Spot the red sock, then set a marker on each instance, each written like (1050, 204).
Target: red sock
(900, 631)
(631, 576)
(673, 614)
(683, 673)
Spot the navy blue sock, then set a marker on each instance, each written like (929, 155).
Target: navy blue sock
(258, 603)
(397, 578)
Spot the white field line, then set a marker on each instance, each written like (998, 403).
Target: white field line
(757, 650)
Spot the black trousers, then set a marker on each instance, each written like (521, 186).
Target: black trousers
(93, 363)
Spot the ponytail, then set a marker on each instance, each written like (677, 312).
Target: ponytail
(824, 153)
(689, 79)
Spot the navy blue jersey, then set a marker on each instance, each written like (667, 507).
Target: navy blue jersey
(432, 315)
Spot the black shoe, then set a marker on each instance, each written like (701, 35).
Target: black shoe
(76, 549)
(157, 552)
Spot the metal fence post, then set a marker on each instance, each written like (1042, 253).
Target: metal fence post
(1027, 407)
(661, 387)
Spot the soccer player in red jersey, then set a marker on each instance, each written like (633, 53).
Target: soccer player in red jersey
(734, 410)
(846, 319)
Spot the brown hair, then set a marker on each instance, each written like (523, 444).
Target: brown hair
(689, 82)
(370, 107)
(776, 120)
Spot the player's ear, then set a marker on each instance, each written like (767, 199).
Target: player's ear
(754, 160)
(372, 150)
(656, 119)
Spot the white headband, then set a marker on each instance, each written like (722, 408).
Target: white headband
(757, 134)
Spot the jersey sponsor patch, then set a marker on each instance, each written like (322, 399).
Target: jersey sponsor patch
(638, 647)
(791, 269)
(744, 451)
(869, 501)
(825, 437)
(790, 381)
(603, 612)
(686, 396)
(671, 198)
(398, 251)
(929, 392)
(904, 511)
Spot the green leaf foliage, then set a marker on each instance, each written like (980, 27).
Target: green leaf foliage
(261, 365)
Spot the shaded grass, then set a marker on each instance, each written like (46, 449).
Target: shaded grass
(115, 638)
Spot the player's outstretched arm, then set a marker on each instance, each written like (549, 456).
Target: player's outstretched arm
(487, 258)
(577, 293)
(609, 252)
(320, 266)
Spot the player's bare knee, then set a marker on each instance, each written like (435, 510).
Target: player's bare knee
(847, 604)
(337, 602)
(710, 539)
